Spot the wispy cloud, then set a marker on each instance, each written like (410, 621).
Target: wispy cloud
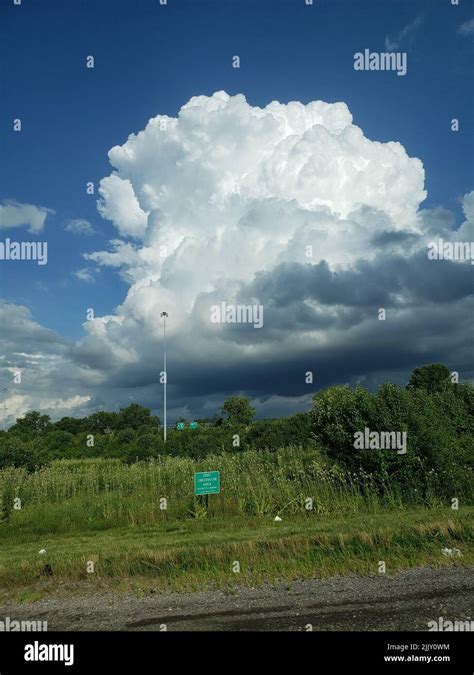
(407, 33)
(80, 226)
(85, 274)
(467, 28)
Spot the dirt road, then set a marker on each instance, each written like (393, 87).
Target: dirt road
(405, 601)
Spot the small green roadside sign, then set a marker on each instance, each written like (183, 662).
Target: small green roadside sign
(193, 425)
(207, 483)
(180, 426)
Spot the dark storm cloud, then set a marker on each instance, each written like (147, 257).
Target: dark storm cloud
(369, 284)
(391, 237)
(429, 307)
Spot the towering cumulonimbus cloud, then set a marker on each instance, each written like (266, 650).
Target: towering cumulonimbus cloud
(226, 190)
(194, 175)
(290, 207)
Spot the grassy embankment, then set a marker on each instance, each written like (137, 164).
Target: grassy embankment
(111, 514)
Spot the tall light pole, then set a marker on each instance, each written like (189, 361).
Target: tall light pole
(164, 315)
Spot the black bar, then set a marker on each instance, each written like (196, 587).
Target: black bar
(221, 653)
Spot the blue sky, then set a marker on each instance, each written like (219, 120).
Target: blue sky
(151, 59)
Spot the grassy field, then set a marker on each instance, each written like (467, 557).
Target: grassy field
(193, 554)
(113, 516)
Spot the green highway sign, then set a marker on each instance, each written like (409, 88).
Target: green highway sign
(193, 425)
(207, 483)
(180, 426)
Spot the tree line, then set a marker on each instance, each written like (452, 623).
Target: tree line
(436, 413)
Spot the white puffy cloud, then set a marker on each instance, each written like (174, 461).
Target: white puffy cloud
(206, 169)
(17, 405)
(13, 214)
(120, 205)
(466, 231)
(226, 190)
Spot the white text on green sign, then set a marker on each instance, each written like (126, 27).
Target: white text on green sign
(207, 483)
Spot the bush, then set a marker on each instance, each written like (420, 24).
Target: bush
(14, 452)
(439, 450)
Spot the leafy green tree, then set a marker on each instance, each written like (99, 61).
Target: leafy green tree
(16, 452)
(432, 378)
(146, 442)
(32, 423)
(101, 422)
(136, 416)
(73, 425)
(125, 436)
(57, 444)
(238, 410)
(339, 412)
(273, 434)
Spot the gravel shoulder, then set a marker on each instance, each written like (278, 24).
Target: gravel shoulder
(404, 601)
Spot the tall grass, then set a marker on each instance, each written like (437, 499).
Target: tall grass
(105, 493)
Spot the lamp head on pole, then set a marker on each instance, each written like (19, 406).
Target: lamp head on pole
(164, 314)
